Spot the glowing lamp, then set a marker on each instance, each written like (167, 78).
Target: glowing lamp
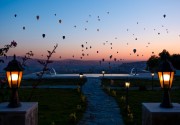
(127, 84)
(14, 71)
(166, 79)
(81, 75)
(166, 75)
(152, 74)
(103, 72)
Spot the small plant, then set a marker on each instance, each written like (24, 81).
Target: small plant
(113, 93)
(123, 99)
(130, 117)
(53, 123)
(73, 118)
(44, 69)
(79, 89)
(79, 107)
(83, 98)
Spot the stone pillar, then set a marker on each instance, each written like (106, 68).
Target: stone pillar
(153, 114)
(27, 114)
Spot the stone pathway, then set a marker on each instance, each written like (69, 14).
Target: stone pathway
(102, 109)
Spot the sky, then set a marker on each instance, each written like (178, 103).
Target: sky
(103, 27)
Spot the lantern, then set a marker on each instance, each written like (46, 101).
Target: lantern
(166, 75)
(152, 74)
(103, 72)
(14, 71)
(127, 85)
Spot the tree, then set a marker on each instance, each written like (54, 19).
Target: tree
(175, 60)
(164, 54)
(152, 63)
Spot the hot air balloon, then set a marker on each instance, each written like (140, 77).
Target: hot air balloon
(110, 56)
(37, 17)
(63, 37)
(164, 15)
(43, 35)
(134, 50)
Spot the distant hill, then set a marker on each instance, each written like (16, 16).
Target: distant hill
(77, 66)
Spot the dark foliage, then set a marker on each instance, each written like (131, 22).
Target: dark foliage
(6, 48)
(153, 61)
(27, 56)
(44, 69)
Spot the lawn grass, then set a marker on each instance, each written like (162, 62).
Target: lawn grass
(137, 82)
(136, 98)
(56, 105)
(56, 81)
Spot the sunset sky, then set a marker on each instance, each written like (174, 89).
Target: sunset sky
(127, 24)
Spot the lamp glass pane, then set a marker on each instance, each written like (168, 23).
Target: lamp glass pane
(20, 77)
(127, 84)
(9, 78)
(14, 78)
(166, 79)
(171, 79)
